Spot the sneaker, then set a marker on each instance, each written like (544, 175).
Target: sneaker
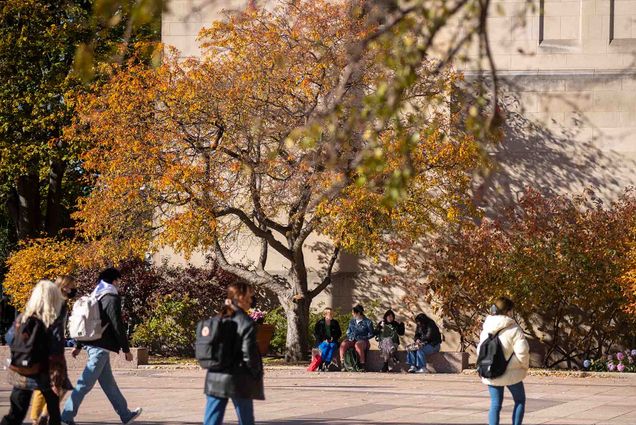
(42, 420)
(136, 413)
(412, 369)
(422, 370)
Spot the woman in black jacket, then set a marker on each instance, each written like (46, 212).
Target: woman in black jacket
(41, 317)
(428, 340)
(243, 382)
(327, 332)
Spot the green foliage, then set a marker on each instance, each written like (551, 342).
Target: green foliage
(169, 330)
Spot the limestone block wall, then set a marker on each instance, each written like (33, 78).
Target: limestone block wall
(569, 84)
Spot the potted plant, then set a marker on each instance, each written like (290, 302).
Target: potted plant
(264, 331)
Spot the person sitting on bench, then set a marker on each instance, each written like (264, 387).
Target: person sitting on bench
(359, 332)
(327, 332)
(428, 340)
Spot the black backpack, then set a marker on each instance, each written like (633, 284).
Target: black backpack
(215, 344)
(28, 348)
(491, 361)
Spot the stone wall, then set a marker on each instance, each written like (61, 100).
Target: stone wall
(569, 83)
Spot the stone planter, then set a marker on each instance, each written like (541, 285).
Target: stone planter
(264, 333)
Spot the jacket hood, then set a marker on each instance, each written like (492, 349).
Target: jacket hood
(494, 324)
(104, 288)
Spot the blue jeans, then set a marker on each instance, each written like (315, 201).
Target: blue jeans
(97, 370)
(215, 410)
(418, 358)
(496, 400)
(326, 350)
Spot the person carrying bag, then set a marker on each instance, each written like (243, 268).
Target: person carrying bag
(226, 347)
(503, 360)
(37, 354)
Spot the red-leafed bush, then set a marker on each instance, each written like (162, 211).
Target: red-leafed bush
(561, 259)
(143, 285)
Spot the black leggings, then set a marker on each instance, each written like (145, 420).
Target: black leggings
(20, 400)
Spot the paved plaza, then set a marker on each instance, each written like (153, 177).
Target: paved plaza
(174, 397)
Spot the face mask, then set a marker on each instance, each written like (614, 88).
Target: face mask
(72, 293)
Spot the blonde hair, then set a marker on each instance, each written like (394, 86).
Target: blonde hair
(45, 303)
(65, 281)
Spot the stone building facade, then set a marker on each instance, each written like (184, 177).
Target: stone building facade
(570, 94)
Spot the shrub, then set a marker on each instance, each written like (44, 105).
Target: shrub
(169, 328)
(37, 259)
(622, 361)
(560, 259)
(142, 285)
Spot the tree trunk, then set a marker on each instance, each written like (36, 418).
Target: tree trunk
(29, 219)
(54, 213)
(297, 312)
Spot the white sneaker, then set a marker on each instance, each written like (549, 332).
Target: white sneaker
(412, 369)
(136, 414)
(422, 370)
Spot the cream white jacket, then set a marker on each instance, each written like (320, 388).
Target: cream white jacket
(515, 348)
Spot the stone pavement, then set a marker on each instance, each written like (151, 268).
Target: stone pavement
(174, 397)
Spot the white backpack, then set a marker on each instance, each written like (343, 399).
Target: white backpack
(85, 323)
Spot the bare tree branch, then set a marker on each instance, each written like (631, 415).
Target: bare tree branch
(257, 231)
(326, 281)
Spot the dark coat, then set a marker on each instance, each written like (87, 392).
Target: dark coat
(245, 379)
(391, 330)
(320, 330)
(114, 338)
(54, 371)
(427, 331)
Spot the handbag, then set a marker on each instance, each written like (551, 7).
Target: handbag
(414, 346)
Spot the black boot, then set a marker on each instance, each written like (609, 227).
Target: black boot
(385, 367)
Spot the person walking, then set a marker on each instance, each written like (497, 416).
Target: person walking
(388, 333)
(243, 381)
(98, 368)
(359, 332)
(39, 411)
(40, 330)
(428, 340)
(517, 353)
(327, 332)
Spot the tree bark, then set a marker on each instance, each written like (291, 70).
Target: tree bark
(54, 212)
(297, 313)
(29, 219)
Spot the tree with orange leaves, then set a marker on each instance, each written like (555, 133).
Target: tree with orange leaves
(233, 149)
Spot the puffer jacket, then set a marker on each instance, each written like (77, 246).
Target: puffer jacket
(515, 347)
(245, 379)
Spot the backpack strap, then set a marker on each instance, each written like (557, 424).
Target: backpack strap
(497, 335)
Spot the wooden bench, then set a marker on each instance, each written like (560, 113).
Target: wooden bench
(117, 361)
(442, 362)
